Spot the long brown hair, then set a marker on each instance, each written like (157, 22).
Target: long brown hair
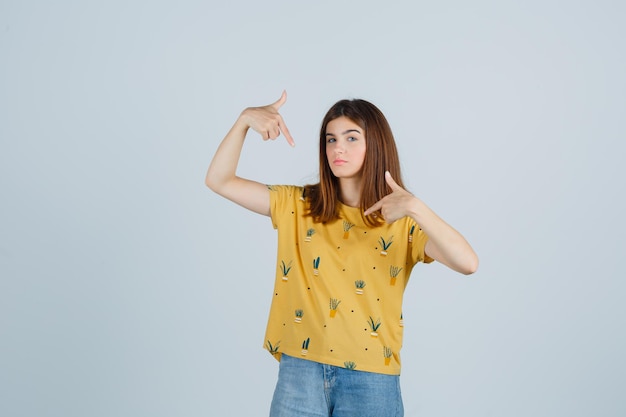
(381, 155)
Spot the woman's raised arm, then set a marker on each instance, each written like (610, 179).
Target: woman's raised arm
(222, 174)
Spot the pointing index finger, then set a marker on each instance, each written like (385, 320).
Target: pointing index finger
(285, 130)
(281, 123)
(377, 206)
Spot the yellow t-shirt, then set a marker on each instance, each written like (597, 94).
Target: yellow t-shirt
(339, 285)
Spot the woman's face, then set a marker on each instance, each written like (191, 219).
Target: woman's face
(345, 147)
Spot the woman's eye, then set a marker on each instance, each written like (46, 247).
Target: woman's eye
(331, 140)
(352, 139)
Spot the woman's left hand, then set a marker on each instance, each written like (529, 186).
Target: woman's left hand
(444, 244)
(396, 205)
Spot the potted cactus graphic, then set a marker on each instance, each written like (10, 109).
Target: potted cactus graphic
(316, 265)
(387, 353)
(360, 285)
(374, 325)
(346, 228)
(349, 365)
(334, 303)
(299, 314)
(272, 349)
(393, 273)
(411, 233)
(401, 320)
(309, 233)
(285, 268)
(385, 245)
(305, 346)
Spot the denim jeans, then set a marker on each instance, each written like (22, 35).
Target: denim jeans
(311, 389)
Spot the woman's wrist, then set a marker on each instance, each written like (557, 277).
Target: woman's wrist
(413, 208)
(418, 211)
(242, 123)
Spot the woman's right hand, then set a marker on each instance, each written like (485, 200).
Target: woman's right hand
(267, 121)
(222, 174)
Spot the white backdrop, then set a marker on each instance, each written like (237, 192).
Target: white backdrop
(127, 288)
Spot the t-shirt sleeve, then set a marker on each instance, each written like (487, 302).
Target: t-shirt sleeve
(282, 201)
(418, 240)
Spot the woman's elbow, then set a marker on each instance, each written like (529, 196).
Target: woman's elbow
(470, 266)
(209, 183)
(212, 182)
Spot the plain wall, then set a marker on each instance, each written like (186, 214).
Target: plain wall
(127, 288)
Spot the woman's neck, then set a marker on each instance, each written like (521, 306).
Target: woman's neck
(350, 191)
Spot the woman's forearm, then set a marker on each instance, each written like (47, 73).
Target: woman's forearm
(445, 244)
(223, 167)
(222, 176)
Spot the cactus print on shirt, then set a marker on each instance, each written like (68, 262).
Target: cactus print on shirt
(339, 285)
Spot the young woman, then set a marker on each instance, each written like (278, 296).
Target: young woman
(346, 248)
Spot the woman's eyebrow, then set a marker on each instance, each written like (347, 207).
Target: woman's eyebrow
(345, 133)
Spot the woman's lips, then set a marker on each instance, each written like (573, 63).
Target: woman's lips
(339, 162)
